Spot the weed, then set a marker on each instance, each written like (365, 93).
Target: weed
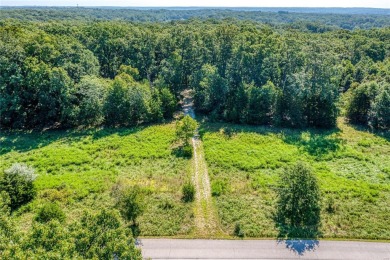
(351, 166)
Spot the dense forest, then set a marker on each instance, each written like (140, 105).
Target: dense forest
(63, 74)
(311, 19)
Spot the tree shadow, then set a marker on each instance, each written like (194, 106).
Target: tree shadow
(183, 151)
(363, 128)
(135, 230)
(316, 142)
(120, 131)
(24, 141)
(300, 246)
(298, 239)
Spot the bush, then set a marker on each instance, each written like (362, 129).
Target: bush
(238, 231)
(188, 192)
(9, 236)
(6, 227)
(97, 236)
(187, 151)
(218, 187)
(18, 182)
(184, 151)
(48, 212)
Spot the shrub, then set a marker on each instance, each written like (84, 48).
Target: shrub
(184, 151)
(6, 227)
(9, 237)
(48, 212)
(218, 187)
(18, 182)
(330, 206)
(188, 192)
(238, 231)
(166, 204)
(187, 151)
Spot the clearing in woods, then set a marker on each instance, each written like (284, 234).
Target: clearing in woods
(206, 219)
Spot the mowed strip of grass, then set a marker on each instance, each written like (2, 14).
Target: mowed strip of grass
(78, 170)
(352, 166)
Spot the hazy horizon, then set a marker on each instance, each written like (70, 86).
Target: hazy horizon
(203, 3)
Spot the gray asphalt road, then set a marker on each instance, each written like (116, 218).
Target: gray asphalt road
(262, 249)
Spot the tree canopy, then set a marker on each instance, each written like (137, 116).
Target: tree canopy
(90, 73)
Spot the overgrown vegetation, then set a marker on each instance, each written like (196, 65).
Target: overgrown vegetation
(351, 167)
(48, 212)
(84, 170)
(79, 171)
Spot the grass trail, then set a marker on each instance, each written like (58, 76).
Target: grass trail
(206, 219)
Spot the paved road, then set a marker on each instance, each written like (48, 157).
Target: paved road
(262, 249)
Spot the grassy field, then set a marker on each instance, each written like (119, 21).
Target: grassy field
(353, 168)
(79, 168)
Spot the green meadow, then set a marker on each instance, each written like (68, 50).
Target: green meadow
(352, 166)
(79, 169)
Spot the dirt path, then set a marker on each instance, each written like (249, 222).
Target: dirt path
(206, 220)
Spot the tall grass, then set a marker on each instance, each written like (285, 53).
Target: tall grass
(78, 169)
(352, 167)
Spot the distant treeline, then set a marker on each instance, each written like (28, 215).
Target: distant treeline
(67, 74)
(323, 18)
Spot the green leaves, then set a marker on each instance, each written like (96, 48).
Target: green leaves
(17, 182)
(188, 191)
(48, 212)
(102, 236)
(185, 129)
(262, 106)
(127, 102)
(95, 236)
(91, 95)
(298, 205)
(369, 105)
